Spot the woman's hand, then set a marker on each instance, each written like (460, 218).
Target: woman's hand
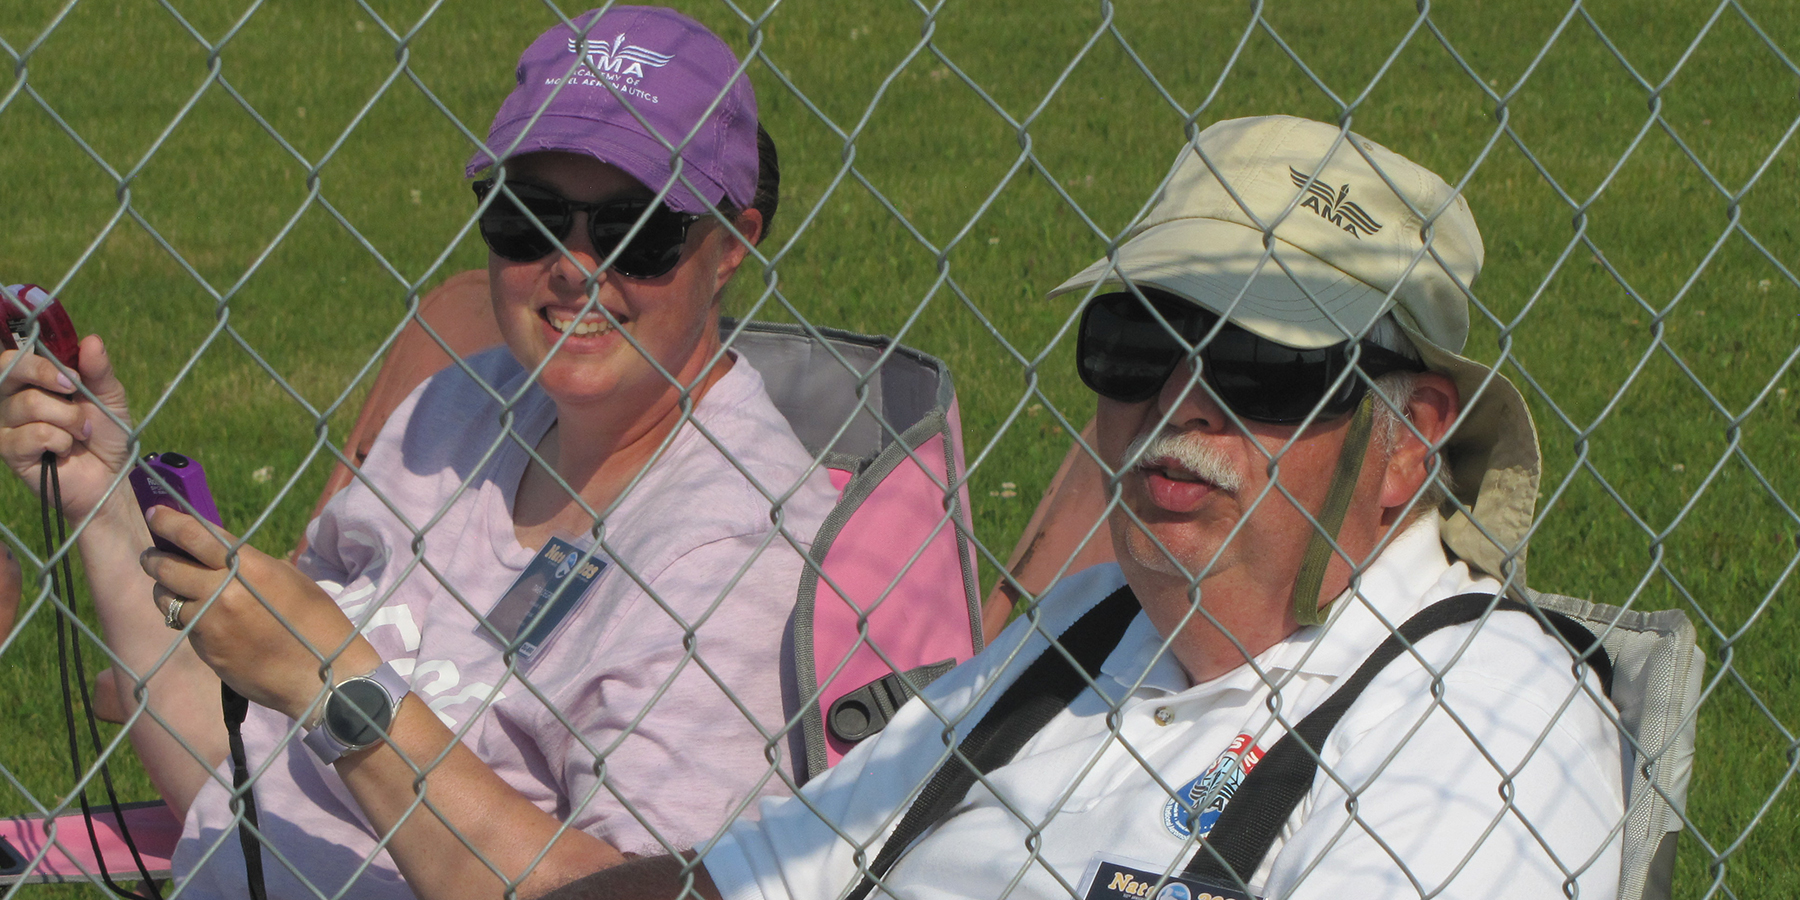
(42, 410)
(269, 633)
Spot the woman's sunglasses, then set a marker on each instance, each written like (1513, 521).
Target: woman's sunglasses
(1127, 348)
(526, 223)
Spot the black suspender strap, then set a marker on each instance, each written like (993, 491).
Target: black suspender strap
(1247, 828)
(1045, 688)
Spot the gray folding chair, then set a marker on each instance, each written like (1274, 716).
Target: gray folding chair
(1657, 679)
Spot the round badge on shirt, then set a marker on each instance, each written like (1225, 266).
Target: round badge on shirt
(1221, 780)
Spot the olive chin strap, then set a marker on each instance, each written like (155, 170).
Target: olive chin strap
(1331, 515)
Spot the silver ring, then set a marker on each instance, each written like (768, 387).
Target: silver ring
(172, 615)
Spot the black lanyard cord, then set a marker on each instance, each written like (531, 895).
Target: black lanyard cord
(62, 583)
(243, 797)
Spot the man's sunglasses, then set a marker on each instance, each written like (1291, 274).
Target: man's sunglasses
(1127, 349)
(533, 222)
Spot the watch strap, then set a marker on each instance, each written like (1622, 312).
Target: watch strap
(325, 745)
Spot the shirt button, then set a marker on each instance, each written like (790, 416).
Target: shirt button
(1163, 716)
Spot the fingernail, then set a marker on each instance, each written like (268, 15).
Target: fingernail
(87, 430)
(62, 381)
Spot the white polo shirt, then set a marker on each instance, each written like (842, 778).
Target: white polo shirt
(1509, 787)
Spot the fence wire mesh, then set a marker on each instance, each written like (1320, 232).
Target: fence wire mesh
(249, 201)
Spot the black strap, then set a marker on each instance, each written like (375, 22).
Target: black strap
(1247, 828)
(1044, 689)
(243, 799)
(62, 584)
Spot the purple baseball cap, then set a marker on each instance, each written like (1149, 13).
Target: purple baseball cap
(674, 73)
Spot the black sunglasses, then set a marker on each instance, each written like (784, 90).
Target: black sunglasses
(1127, 348)
(511, 227)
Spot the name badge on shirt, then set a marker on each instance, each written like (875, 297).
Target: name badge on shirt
(553, 585)
(1112, 879)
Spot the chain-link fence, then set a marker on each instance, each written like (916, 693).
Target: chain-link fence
(247, 201)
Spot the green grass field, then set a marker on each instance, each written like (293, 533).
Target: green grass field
(1635, 182)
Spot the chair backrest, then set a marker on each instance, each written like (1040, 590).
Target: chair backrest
(460, 314)
(891, 601)
(1657, 674)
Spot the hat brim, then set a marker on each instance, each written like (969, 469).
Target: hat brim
(1494, 462)
(636, 154)
(1282, 293)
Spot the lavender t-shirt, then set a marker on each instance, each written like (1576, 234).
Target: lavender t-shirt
(691, 546)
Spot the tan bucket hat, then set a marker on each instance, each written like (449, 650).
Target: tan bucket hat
(1306, 234)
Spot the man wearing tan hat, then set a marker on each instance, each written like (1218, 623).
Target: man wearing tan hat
(1283, 404)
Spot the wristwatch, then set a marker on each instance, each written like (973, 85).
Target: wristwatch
(357, 714)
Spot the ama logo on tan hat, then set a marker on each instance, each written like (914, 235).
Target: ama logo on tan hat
(1334, 208)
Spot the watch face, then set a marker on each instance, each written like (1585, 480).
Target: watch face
(359, 712)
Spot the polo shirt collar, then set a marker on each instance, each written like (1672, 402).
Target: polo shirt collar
(1409, 574)
(1135, 651)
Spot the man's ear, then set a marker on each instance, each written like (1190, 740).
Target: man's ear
(1429, 413)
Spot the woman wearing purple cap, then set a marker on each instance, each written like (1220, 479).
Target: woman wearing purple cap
(561, 555)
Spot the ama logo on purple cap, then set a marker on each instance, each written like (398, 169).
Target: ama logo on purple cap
(617, 58)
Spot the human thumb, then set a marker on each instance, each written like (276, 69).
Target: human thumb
(97, 374)
(108, 426)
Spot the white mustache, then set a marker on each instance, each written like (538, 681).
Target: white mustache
(1187, 451)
